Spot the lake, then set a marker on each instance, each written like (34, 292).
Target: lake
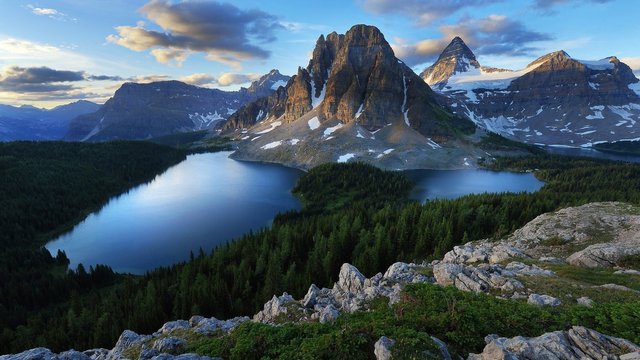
(209, 199)
(202, 202)
(449, 184)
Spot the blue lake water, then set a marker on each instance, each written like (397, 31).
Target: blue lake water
(202, 202)
(209, 199)
(449, 184)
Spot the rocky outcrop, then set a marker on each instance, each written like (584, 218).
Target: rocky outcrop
(352, 292)
(574, 344)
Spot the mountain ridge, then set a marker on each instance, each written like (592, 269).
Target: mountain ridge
(556, 100)
(142, 111)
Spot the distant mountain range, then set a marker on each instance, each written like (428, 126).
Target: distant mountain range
(354, 101)
(556, 100)
(31, 123)
(142, 111)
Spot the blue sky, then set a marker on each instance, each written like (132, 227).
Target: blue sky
(90, 47)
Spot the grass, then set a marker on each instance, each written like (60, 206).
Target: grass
(572, 282)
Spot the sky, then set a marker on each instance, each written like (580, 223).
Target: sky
(56, 52)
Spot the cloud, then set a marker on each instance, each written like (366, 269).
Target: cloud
(548, 4)
(228, 79)
(422, 11)
(104, 78)
(222, 31)
(493, 35)
(199, 79)
(37, 79)
(149, 78)
(51, 13)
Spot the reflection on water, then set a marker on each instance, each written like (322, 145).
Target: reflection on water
(202, 202)
(449, 184)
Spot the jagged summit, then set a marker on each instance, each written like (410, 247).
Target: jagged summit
(354, 99)
(455, 58)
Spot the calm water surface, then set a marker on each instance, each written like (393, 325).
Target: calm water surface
(449, 184)
(204, 201)
(210, 199)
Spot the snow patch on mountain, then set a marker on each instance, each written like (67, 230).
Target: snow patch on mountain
(346, 157)
(277, 84)
(314, 123)
(328, 131)
(273, 125)
(271, 145)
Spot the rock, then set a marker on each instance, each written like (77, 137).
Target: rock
(403, 273)
(195, 320)
(382, 348)
(551, 259)
(585, 301)
(350, 279)
(444, 350)
(543, 300)
(274, 308)
(627, 272)
(97, 354)
(73, 355)
(31, 354)
(148, 353)
(446, 273)
(616, 287)
(576, 343)
(189, 356)
(328, 314)
(171, 345)
(483, 252)
(172, 326)
(527, 270)
(604, 255)
(631, 356)
(127, 340)
(311, 297)
(209, 326)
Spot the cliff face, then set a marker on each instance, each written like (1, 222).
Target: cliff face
(354, 78)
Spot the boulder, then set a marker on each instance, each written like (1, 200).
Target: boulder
(603, 255)
(170, 345)
(274, 308)
(585, 301)
(127, 340)
(576, 343)
(350, 279)
(172, 326)
(543, 300)
(382, 348)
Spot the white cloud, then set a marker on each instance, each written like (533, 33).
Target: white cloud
(199, 79)
(50, 13)
(228, 79)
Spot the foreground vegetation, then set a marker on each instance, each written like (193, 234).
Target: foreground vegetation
(460, 319)
(354, 213)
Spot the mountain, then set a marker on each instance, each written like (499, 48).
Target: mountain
(31, 123)
(456, 58)
(141, 111)
(354, 100)
(555, 100)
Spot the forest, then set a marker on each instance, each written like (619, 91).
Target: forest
(353, 213)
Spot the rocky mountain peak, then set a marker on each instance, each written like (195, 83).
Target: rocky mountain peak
(455, 58)
(268, 83)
